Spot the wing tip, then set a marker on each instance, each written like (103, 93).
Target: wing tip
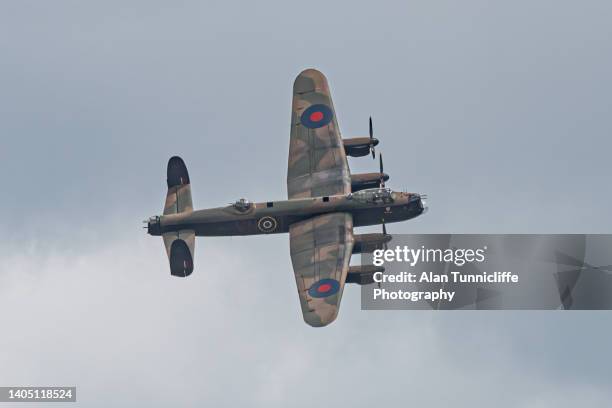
(314, 319)
(309, 73)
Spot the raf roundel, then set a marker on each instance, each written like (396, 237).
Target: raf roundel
(267, 224)
(316, 116)
(324, 288)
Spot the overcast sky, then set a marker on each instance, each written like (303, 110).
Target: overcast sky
(501, 113)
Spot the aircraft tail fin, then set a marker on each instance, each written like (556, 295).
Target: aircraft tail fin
(179, 244)
(180, 247)
(178, 198)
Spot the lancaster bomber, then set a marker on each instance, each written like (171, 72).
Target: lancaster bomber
(325, 202)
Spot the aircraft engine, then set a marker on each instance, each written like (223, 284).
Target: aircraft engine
(367, 243)
(359, 146)
(367, 180)
(362, 274)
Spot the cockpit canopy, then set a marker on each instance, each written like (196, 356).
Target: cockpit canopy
(242, 205)
(373, 195)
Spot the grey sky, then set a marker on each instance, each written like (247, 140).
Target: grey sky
(501, 113)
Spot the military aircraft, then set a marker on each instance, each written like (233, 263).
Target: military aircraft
(325, 203)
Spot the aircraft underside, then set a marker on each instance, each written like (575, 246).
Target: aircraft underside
(280, 224)
(325, 203)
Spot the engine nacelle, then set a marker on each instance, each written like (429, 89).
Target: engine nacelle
(362, 274)
(358, 146)
(368, 243)
(366, 180)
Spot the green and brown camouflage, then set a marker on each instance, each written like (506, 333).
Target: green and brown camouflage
(324, 204)
(368, 207)
(317, 160)
(321, 248)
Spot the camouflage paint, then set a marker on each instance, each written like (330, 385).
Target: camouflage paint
(319, 215)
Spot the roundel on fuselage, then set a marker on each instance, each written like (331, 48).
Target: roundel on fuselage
(267, 224)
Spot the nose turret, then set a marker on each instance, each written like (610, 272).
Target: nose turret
(416, 204)
(419, 199)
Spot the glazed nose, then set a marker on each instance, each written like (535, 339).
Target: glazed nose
(418, 201)
(422, 202)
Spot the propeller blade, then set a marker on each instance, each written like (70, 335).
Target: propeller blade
(384, 229)
(382, 174)
(371, 137)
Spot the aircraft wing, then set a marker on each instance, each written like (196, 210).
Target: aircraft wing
(321, 249)
(317, 161)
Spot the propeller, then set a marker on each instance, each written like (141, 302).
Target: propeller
(372, 140)
(384, 230)
(384, 227)
(382, 173)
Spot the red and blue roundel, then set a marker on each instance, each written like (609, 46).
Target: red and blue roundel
(316, 116)
(324, 288)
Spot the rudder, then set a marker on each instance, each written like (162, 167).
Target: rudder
(178, 198)
(180, 249)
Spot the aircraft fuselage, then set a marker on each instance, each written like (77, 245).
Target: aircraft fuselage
(273, 217)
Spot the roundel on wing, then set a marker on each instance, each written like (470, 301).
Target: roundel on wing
(324, 288)
(267, 224)
(316, 116)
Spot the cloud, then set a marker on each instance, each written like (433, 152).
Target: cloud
(113, 322)
(497, 111)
